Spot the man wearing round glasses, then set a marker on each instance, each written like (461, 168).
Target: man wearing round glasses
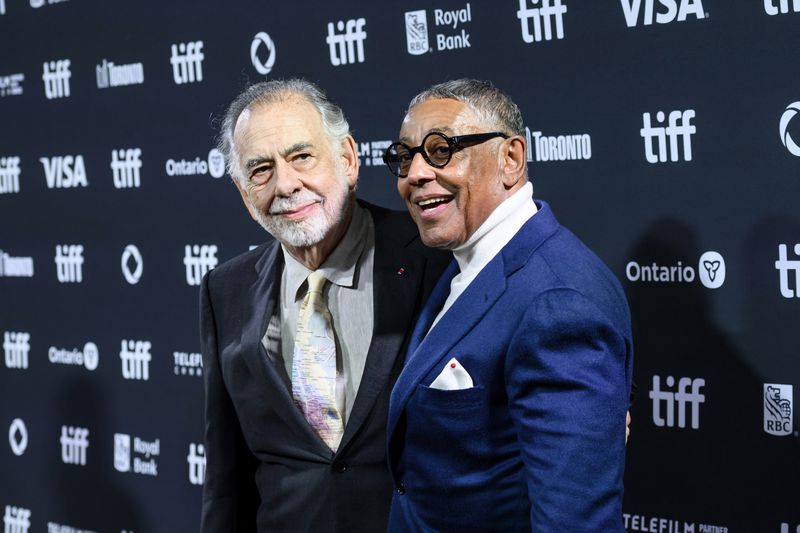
(509, 414)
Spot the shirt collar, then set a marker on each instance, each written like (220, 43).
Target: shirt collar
(340, 266)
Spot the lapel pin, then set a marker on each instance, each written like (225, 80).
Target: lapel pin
(401, 271)
(452, 365)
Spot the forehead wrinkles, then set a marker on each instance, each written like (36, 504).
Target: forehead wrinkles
(451, 117)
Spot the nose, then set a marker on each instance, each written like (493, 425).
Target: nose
(287, 180)
(419, 172)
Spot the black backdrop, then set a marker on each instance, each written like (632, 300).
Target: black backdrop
(101, 386)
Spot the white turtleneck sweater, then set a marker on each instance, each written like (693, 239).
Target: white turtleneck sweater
(495, 232)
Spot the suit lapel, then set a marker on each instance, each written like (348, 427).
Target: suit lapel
(265, 293)
(395, 295)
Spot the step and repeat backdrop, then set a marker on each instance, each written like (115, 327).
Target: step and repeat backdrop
(665, 133)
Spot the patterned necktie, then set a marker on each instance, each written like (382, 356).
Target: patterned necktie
(314, 365)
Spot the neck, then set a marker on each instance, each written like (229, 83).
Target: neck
(313, 256)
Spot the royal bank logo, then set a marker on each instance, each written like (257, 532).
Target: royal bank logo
(15, 267)
(64, 172)
(141, 456)
(197, 463)
(370, 153)
(710, 271)
(541, 21)
(110, 75)
(213, 164)
(126, 164)
(785, 268)
(544, 148)
(16, 519)
(9, 175)
(664, 11)
(88, 357)
(132, 264)
(11, 84)
(262, 40)
(187, 62)
(679, 128)
(417, 32)
(198, 260)
(135, 357)
(686, 399)
(74, 443)
(56, 75)
(16, 345)
(781, 7)
(18, 437)
(69, 263)
(346, 41)
(188, 364)
(786, 138)
(778, 403)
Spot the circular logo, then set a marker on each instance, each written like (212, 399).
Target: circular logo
(786, 139)
(91, 356)
(264, 67)
(18, 436)
(711, 269)
(132, 253)
(216, 163)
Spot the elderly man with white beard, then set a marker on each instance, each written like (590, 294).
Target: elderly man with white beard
(302, 338)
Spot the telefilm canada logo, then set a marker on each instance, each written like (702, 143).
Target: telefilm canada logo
(778, 409)
(136, 455)
(213, 164)
(188, 363)
(654, 524)
(262, 40)
(645, 12)
(11, 84)
(370, 153)
(710, 271)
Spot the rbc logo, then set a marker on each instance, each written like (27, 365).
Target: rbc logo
(681, 398)
(348, 47)
(778, 409)
(416, 32)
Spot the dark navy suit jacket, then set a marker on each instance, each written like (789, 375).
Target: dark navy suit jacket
(538, 444)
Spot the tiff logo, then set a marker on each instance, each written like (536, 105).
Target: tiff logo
(126, 163)
(782, 7)
(69, 263)
(680, 125)
(784, 265)
(199, 259)
(135, 356)
(16, 345)
(682, 398)
(56, 75)
(551, 13)
(187, 62)
(785, 528)
(632, 8)
(9, 175)
(64, 172)
(197, 463)
(16, 519)
(348, 47)
(11, 85)
(3, 12)
(74, 441)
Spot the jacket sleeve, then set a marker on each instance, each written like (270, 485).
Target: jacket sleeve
(568, 382)
(230, 496)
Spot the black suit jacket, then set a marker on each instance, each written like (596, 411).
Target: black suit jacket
(267, 470)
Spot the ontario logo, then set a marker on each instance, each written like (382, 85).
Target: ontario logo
(710, 271)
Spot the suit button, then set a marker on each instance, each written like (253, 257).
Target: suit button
(340, 467)
(401, 489)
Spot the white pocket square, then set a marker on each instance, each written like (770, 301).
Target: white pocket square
(452, 377)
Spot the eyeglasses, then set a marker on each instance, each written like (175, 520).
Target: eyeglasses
(437, 149)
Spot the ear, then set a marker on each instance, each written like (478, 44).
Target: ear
(514, 159)
(349, 161)
(245, 199)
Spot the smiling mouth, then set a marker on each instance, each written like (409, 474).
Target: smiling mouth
(432, 203)
(297, 212)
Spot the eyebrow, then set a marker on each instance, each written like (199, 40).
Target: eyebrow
(444, 129)
(296, 147)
